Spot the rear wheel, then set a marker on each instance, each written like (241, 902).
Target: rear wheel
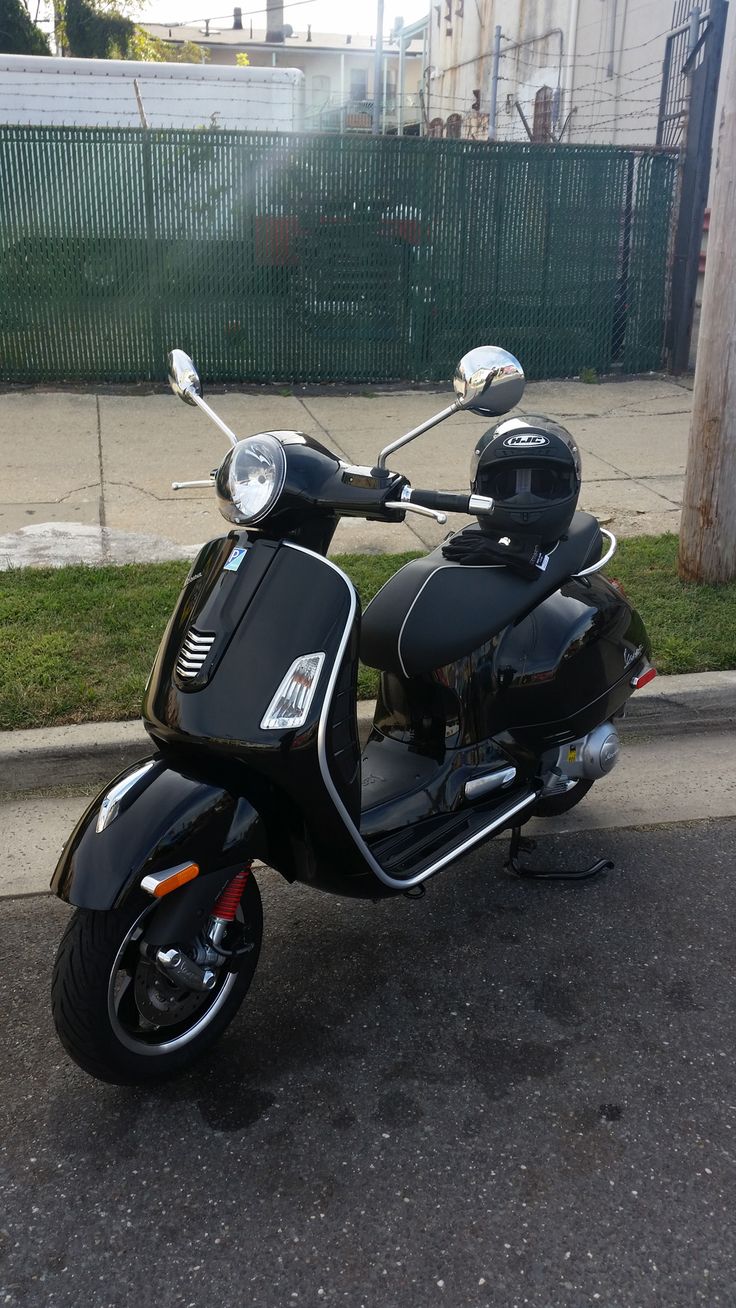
(124, 1020)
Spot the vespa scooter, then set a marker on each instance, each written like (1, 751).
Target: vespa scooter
(497, 699)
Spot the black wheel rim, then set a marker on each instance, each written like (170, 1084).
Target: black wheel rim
(133, 1027)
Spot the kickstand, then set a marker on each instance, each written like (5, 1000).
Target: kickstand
(520, 844)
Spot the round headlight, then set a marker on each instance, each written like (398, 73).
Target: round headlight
(251, 478)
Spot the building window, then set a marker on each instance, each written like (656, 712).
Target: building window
(454, 126)
(435, 127)
(358, 84)
(542, 125)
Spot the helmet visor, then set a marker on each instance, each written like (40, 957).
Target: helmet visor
(516, 483)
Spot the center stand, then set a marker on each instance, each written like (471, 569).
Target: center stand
(521, 844)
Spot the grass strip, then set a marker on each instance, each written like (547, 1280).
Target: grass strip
(78, 642)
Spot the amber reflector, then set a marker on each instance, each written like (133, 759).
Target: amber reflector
(161, 883)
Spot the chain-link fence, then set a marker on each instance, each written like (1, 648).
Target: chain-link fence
(325, 258)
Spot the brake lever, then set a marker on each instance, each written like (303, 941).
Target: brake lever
(405, 507)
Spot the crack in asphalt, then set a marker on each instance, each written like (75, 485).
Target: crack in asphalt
(629, 408)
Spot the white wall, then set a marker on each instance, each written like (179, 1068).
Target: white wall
(605, 62)
(45, 91)
(618, 70)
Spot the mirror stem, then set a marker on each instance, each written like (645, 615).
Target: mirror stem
(417, 431)
(202, 404)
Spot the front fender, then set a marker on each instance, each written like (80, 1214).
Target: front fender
(170, 814)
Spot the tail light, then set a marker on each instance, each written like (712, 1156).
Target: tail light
(643, 678)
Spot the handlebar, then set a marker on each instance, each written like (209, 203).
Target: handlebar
(447, 501)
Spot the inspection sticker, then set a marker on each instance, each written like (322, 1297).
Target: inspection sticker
(235, 560)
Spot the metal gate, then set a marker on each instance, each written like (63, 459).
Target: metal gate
(687, 110)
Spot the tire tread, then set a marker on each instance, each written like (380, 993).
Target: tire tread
(79, 988)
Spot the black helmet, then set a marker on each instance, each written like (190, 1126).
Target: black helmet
(530, 466)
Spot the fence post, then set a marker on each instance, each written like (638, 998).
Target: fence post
(494, 84)
(158, 348)
(666, 64)
(694, 189)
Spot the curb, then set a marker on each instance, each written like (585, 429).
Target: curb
(92, 753)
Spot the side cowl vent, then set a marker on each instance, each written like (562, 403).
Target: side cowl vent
(194, 650)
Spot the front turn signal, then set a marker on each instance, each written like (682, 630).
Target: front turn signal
(291, 704)
(159, 884)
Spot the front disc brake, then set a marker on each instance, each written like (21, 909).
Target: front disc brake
(160, 1000)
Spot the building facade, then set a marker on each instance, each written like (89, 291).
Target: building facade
(338, 69)
(572, 70)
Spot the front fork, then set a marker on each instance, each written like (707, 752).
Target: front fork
(200, 972)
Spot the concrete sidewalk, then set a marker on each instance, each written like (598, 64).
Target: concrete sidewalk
(87, 475)
(659, 780)
(57, 758)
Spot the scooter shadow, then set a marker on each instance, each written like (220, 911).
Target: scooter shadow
(414, 992)
(362, 1011)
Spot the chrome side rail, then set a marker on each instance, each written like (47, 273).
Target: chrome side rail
(596, 567)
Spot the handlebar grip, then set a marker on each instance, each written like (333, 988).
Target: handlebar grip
(445, 501)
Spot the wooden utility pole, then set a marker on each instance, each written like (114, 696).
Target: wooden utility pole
(708, 530)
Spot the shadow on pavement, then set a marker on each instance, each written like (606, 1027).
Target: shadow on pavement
(500, 1094)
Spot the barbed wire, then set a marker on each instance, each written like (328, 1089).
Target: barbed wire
(153, 92)
(647, 4)
(523, 99)
(638, 45)
(654, 73)
(653, 64)
(409, 100)
(629, 73)
(232, 100)
(245, 13)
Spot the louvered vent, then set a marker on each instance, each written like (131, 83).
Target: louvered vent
(194, 650)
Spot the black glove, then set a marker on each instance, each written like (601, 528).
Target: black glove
(475, 549)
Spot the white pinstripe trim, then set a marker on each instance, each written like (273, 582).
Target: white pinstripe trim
(394, 883)
(442, 568)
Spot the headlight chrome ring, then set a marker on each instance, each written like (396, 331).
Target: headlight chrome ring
(250, 479)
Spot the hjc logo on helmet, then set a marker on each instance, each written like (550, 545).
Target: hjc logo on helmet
(525, 440)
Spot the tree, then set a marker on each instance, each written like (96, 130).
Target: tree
(144, 48)
(92, 30)
(95, 29)
(708, 530)
(18, 32)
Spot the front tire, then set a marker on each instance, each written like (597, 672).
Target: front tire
(104, 993)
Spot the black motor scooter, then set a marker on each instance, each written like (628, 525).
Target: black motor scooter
(497, 698)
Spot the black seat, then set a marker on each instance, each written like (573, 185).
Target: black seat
(432, 611)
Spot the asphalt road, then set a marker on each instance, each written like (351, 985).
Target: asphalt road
(500, 1094)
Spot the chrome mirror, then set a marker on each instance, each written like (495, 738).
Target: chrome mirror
(183, 377)
(488, 380)
(184, 382)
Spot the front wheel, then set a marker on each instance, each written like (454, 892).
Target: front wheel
(123, 1021)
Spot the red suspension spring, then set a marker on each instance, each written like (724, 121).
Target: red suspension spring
(227, 904)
